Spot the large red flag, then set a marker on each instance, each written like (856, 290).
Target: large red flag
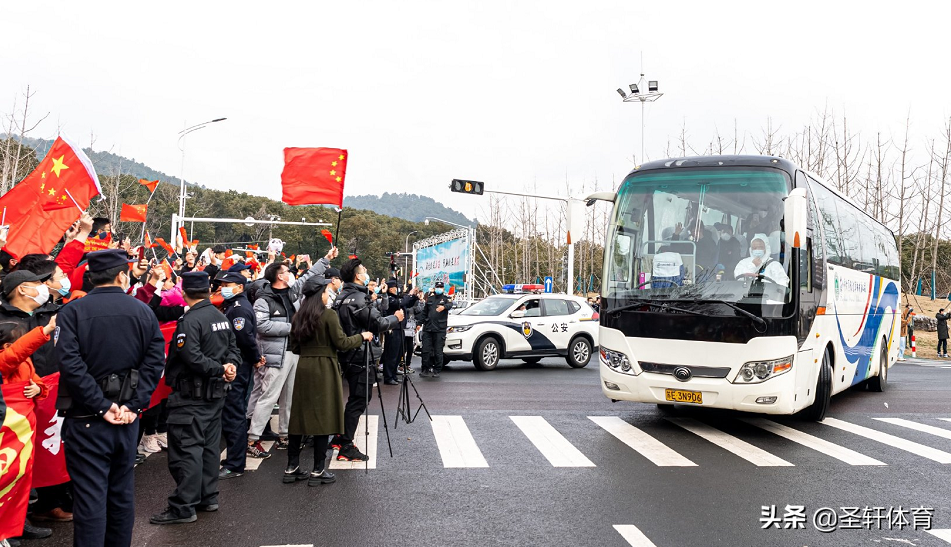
(17, 425)
(314, 176)
(34, 228)
(49, 466)
(133, 213)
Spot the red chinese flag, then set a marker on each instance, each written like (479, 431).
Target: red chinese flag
(17, 425)
(33, 228)
(150, 184)
(49, 465)
(165, 245)
(167, 268)
(452, 290)
(326, 233)
(314, 176)
(133, 213)
(148, 241)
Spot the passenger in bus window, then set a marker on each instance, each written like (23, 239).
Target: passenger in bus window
(760, 263)
(730, 250)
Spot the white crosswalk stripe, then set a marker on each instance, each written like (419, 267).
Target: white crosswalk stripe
(944, 534)
(633, 536)
(850, 457)
(364, 443)
(924, 428)
(891, 440)
(456, 444)
(555, 447)
(755, 455)
(647, 446)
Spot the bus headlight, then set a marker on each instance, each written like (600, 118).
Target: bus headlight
(755, 372)
(617, 361)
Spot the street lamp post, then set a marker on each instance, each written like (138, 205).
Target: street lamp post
(644, 91)
(181, 179)
(406, 257)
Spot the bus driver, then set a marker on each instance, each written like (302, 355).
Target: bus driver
(760, 261)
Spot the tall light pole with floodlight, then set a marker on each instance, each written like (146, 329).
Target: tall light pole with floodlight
(644, 91)
(182, 196)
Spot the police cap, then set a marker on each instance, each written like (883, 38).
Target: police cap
(440, 284)
(100, 261)
(231, 277)
(195, 281)
(14, 279)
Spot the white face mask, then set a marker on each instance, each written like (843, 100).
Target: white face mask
(291, 280)
(42, 294)
(725, 237)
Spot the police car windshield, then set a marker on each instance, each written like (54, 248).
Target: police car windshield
(493, 305)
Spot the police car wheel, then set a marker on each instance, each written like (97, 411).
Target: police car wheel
(487, 354)
(579, 352)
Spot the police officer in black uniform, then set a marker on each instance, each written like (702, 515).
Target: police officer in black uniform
(111, 354)
(234, 424)
(201, 363)
(433, 322)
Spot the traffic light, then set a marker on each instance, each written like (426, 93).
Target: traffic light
(466, 186)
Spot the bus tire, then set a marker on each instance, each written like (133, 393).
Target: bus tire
(487, 354)
(880, 381)
(579, 352)
(817, 410)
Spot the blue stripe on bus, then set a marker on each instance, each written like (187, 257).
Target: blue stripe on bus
(861, 354)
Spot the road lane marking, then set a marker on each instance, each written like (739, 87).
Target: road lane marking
(944, 534)
(891, 440)
(456, 444)
(364, 444)
(850, 457)
(633, 536)
(298, 545)
(755, 455)
(917, 427)
(644, 444)
(552, 444)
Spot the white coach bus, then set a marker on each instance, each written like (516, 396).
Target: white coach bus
(745, 283)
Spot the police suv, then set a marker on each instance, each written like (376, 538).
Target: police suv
(522, 324)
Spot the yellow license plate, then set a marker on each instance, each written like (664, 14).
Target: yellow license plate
(681, 396)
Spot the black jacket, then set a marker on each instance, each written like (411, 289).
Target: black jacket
(358, 314)
(943, 325)
(432, 320)
(241, 315)
(400, 302)
(106, 332)
(202, 344)
(43, 359)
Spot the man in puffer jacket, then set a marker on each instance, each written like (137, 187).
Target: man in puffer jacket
(274, 308)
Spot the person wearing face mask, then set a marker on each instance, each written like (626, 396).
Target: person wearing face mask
(759, 263)
(432, 321)
(26, 300)
(111, 354)
(233, 417)
(731, 252)
(357, 314)
(274, 307)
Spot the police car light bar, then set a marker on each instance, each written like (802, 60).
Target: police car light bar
(520, 288)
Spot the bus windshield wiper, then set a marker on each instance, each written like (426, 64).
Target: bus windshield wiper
(755, 318)
(661, 305)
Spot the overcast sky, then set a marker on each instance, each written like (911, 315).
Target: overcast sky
(516, 94)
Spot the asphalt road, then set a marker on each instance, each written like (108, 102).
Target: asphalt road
(699, 479)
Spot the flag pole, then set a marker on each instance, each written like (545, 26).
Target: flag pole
(81, 211)
(337, 235)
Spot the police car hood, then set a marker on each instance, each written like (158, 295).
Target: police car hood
(459, 320)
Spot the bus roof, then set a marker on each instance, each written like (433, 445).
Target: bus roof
(719, 161)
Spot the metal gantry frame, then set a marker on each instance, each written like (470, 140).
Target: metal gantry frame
(177, 219)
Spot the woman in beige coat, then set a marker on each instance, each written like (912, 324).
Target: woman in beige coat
(316, 336)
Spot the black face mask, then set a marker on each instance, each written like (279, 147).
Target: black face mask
(103, 235)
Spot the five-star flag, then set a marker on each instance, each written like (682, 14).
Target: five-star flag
(37, 212)
(314, 176)
(133, 213)
(150, 184)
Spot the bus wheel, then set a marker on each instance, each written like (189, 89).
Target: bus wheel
(880, 382)
(817, 410)
(579, 352)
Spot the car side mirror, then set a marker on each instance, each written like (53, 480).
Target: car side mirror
(517, 314)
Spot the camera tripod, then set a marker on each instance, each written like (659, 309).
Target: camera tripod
(404, 407)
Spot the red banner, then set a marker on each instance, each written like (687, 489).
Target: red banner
(16, 457)
(50, 463)
(162, 389)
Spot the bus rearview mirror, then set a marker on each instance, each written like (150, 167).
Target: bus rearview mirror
(794, 218)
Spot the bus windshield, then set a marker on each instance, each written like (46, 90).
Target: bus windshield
(699, 234)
